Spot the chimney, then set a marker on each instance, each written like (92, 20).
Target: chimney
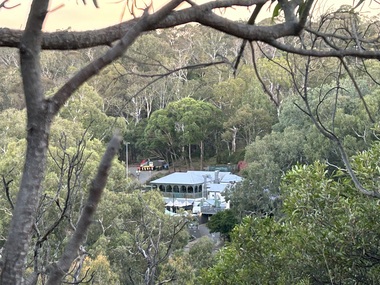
(216, 179)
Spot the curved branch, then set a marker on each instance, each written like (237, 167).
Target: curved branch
(332, 137)
(361, 96)
(364, 54)
(358, 185)
(329, 134)
(66, 40)
(3, 5)
(6, 188)
(266, 89)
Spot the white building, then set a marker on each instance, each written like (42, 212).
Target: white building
(201, 191)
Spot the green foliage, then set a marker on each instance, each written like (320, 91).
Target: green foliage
(254, 255)
(328, 234)
(259, 202)
(99, 268)
(135, 234)
(11, 93)
(268, 158)
(248, 113)
(86, 107)
(160, 135)
(12, 126)
(222, 222)
(182, 123)
(295, 139)
(73, 158)
(186, 266)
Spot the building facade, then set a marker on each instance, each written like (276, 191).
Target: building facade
(201, 190)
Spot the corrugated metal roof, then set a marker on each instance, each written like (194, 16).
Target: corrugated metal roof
(198, 177)
(180, 178)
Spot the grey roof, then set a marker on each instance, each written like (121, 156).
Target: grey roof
(228, 178)
(224, 177)
(217, 187)
(197, 177)
(181, 178)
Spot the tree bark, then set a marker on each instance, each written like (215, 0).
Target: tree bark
(202, 154)
(38, 128)
(66, 40)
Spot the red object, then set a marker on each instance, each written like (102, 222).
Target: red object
(241, 165)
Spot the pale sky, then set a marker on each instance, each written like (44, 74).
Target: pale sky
(77, 16)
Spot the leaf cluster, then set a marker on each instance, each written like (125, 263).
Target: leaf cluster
(327, 235)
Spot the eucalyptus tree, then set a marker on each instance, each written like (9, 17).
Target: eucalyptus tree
(248, 113)
(323, 83)
(136, 236)
(41, 110)
(182, 124)
(160, 136)
(295, 140)
(327, 235)
(73, 156)
(188, 264)
(11, 88)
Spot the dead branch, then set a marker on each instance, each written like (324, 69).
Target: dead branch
(3, 5)
(59, 269)
(361, 96)
(272, 97)
(6, 188)
(202, 14)
(333, 138)
(251, 21)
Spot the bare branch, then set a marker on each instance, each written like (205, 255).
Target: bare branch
(59, 269)
(351, 172)
(3, 5)
(6, 188)
(160, 76)
(187, 67)
(368, 54)
(266, 89)
(94, 67)
(361, 96)
(251, 21)
(332, 137)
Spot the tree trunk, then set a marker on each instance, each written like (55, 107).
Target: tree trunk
(202, 150)
(234, 135)
(21, 228)
(190, 159)
(38, 128)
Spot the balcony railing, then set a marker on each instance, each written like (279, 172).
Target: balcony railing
(182, 195)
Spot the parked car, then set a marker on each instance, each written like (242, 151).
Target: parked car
(154, 164)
